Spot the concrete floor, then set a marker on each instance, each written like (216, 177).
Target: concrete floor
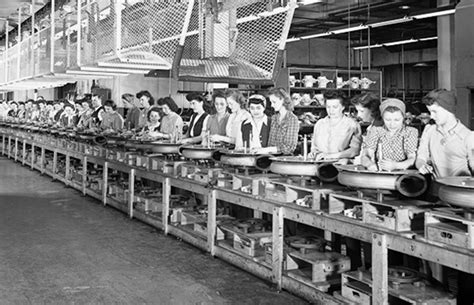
(57, 247)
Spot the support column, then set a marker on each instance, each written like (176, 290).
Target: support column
(446, 41)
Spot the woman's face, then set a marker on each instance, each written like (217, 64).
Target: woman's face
(334, 108)
(276, 102)
(233, 105)
(85, 106)
(363, 113)
(144, 101)
(257, 110)
(154, 117)
(68, 110)
(196, 106)
(166, 109)
(393, 121)
(221, 105)
(108, 109)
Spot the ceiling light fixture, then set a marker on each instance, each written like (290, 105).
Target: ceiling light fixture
(360, 27)
(349, 29)
(434, 14)
(390, 22)
(317, 35)
(395, 43)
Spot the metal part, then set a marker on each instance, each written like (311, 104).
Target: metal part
(457, 191)
(297, 166)
(197, 152)
(239, 158)
(409, 183)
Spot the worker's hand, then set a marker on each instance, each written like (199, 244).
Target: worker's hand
(426, 169)
(388, 165)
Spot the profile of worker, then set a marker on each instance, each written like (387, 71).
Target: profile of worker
(216, 124)
(336, 136)
(97, 110)
(69, 118)
(446, 149)
(254, 131)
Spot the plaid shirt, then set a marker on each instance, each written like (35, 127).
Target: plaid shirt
(395, 147)
(284, 134)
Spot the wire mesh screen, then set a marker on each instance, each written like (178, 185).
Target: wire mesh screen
(43, 51)
(3, 68)
(12, 63)
(26, 57)
(235, 41)
(135, 33)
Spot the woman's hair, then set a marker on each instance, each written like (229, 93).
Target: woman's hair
(370, 101)
(153, 109)
(195, 96)
(283, 95)
(110, 103)
(336, 95)
(168, 101)
(147, 94)
(237, 96)
(68, 105)
(393, 109)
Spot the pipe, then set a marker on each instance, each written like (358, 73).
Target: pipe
(408, 185)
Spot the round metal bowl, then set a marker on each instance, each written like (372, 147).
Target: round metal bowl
(409, 183)
(165, 148)
(457, 191)
(244, 159)
(297, 166)
(197, 152)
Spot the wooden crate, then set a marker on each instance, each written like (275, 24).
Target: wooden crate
(357, 288)
(248, 244)
(400, 215)
(304, 192)
(449, 227)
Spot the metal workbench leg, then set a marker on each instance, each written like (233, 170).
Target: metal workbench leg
(16, 149)
(166, 203)
(68, 170)
(43, 151)
(23, 161)
(379, 269)
(32, 155)
(84, 174)
(131, 191)
(211, 221)
(277, 246)
(105, 183)
(9, 146)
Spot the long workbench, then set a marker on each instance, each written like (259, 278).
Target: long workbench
(31, 149)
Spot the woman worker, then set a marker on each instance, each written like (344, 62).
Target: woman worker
(152, 128)
(216, 124)
(336, 136)
(171, 123)
(391, 146)
(236, 102)
(254, 132)
(111, 119)
(198, 119)
(284, 125)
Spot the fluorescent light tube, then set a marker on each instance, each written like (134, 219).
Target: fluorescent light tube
(435, 14)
